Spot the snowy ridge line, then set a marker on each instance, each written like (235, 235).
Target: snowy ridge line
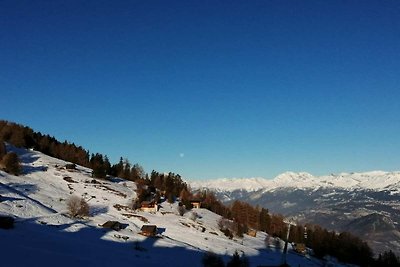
(374, 180)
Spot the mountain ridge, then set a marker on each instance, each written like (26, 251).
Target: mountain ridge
(373, 180)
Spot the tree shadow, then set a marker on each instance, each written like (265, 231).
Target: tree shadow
(97, 210)
(160, 230)
(29, 163)
(18, 188)
(31, 169)
(77, 243)
(23, 190)
(9, 198)
(28, 157)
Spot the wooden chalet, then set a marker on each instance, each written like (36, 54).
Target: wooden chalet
(149, 230)
(112, 225)
(149, 206)
(196, 203)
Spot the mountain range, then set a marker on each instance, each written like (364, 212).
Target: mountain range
(365, 204)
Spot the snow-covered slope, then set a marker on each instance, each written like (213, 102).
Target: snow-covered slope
(375, 180)
(45, 236)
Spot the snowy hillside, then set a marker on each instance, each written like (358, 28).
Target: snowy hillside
(45, 236)
(375, 180)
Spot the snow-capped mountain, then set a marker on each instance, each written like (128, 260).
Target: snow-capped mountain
(336, 201)
(44, 235)
(375, 180)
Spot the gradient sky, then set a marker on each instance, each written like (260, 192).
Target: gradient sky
(209, 89)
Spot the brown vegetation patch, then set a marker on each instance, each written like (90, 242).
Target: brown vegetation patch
(120, 207)
(143, 219)
(69, 179)
(185, 224)
(125, 238)
(104, 187)
(128, 215)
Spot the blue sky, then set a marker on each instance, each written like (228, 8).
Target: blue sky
(209, 89)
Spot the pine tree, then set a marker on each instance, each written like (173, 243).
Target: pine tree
(185, 197)
(117, 170)
(265, 220)
(97, 165)
(137, 172)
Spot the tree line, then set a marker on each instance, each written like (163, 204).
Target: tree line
(23, 136)
(239, 217)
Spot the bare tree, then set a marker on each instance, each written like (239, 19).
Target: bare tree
(11, 164)
(77, 207)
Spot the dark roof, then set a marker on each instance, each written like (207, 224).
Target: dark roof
(195, 200)
(149, 228)
(147, 203)
(112, 225)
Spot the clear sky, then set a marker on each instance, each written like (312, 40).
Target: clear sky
(209, 89)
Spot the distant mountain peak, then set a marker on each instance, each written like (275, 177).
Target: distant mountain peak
(294, 176)
(373, 180)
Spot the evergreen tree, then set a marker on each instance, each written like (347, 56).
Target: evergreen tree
(265, 220)
(107, 165)
(127, 170)
(117, 170)
(97, 165)
(185, 197)
(137, 172)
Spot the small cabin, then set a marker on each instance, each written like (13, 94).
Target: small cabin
(196, 203)
(112, 225)
(252, 232)
(149, 230)
(149, 206)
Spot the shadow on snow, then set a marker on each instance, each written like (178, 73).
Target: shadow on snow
(80, 244)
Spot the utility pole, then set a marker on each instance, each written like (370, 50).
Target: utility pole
(289, 223)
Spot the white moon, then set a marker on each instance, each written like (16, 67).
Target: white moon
(181, 155)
